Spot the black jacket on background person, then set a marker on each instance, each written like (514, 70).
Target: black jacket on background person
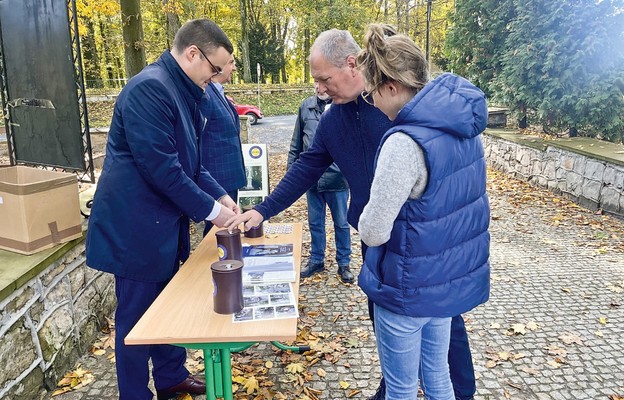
(309, 115)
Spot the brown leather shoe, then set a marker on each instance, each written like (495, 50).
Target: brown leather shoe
(190, 385)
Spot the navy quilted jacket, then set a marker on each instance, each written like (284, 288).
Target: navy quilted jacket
(436, 263)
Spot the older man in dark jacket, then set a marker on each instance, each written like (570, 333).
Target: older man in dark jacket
(331, 190)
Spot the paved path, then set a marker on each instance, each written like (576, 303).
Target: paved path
(553, 328)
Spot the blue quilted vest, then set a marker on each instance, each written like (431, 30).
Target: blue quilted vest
(436, 263)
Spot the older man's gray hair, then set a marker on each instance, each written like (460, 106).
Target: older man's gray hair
(335, 45)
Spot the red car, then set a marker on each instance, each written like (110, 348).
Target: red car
(252, 112)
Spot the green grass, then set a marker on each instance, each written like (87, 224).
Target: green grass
(274, 100)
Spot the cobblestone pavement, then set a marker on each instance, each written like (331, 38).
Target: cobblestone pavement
(553, 328)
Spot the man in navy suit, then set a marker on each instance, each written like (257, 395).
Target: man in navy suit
(151, 184)
(222, 155)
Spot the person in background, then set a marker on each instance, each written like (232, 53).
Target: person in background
(426, 222)
(349, 134)
(222, 154)
(331, 191)
(152, 184)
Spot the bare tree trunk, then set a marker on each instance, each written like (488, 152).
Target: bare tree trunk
(245, 42)
(306, 54)
(283, 53)
(385, 11)
(91, 58)
(132, 28)
(399, 19)
(173, 21)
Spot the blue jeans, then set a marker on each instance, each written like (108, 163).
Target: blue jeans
(133, 299)
(411, 348)
(337, 203)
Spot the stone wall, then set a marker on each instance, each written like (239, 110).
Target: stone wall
(49, 322)
(591, 182)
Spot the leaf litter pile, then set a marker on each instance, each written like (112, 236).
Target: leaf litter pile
(254, 376)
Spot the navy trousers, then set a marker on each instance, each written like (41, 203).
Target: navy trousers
(133, 299)
(459, 357)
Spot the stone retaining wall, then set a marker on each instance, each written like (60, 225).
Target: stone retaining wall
(590, 182)
(49, 322)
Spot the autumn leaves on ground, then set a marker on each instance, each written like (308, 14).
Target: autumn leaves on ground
(255, 377)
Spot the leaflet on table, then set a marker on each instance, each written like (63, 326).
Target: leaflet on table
(266, 302)
(267, 250)
(268, 264)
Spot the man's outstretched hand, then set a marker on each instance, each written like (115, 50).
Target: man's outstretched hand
(251, 218)
(224, 215)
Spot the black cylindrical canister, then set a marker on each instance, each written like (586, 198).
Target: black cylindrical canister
(229, 245)
(255, 231)
(227, 278)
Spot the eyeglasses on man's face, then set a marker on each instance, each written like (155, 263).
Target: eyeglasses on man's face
(218, 70)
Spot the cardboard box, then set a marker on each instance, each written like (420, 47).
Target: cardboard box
(38, 209)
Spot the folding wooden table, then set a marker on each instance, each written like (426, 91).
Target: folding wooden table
(183, 314)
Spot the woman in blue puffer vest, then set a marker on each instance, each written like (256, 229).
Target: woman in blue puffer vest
(427, 218)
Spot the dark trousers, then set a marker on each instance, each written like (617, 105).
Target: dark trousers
(208, 225)
(459, 357)
(133, 299)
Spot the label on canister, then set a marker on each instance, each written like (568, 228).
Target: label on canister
(222, 251)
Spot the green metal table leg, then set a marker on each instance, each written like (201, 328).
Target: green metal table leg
(226, 369)
(209, 373)
(218, 367)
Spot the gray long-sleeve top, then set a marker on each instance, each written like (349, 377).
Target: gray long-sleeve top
(401, 174)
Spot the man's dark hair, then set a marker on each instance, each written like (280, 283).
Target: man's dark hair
(203, 33)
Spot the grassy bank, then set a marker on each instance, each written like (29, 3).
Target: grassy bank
(274, 100)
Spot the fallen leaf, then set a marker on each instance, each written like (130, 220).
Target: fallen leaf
(295, 368)
(518, 329)
(528, 370)
(268, 364)
(344, 385)
(554, 364)
(518, 356)
(571, 339)
(321, 372)
(251, 385)
(603, 320)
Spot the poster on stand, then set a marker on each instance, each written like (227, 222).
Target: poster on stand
(257, 172)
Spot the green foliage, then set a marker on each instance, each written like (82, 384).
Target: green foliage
(476, 40)
(283, 100)
(266, 51)
(285, 29)
(556, 61)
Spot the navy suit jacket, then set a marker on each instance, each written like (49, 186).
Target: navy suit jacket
(221, 150)
(152, 181)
